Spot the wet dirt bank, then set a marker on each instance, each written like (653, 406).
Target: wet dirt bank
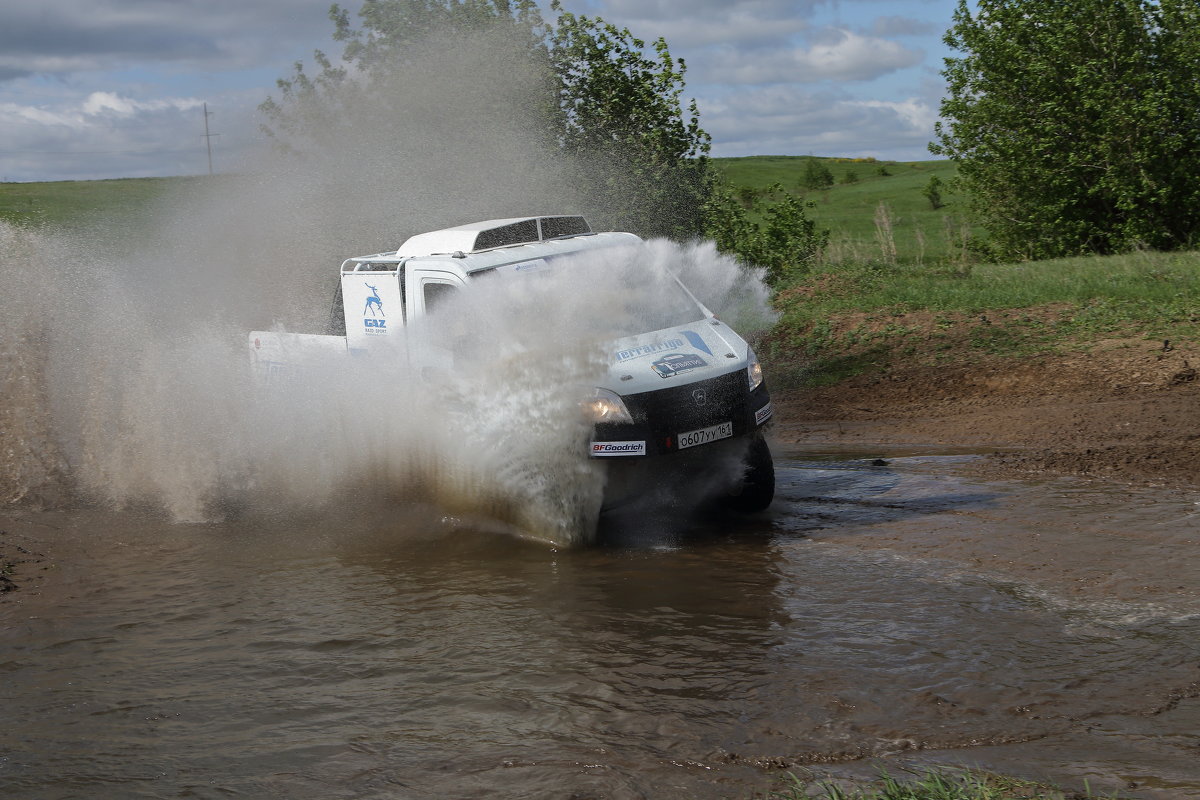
(1127, 410)
(1115, 431)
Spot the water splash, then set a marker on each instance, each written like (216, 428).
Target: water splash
(123, 362)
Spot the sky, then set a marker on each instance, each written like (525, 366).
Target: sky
(93, 89)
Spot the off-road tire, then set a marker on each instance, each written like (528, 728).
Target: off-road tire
(758, 485)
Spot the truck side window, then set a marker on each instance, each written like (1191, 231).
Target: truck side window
(436, 294)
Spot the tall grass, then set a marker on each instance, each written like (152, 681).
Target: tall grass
(1149, 286)
(849, 317)
(935, 784)
(920, 232)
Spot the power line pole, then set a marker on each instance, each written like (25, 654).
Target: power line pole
(208, 137)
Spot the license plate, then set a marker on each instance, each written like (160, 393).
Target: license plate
(705, 435)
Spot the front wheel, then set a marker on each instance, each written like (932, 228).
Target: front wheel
(758, 484)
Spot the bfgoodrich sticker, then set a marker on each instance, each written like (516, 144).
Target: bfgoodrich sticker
(618, 448)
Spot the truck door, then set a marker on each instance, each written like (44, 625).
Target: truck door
(429, 294)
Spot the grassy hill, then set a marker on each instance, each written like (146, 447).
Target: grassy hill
(859, 310)
(75, 203)
(849, 208)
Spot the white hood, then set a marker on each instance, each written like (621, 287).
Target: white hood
(685, 354)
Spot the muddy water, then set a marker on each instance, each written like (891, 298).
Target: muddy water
(901, 613)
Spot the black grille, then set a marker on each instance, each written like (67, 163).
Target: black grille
(661, 415)
(677, 409)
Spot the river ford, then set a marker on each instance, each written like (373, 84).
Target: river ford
(890, 609)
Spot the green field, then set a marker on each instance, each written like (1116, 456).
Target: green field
(847, 319)
(921, 234)
(79, 203)
(859, 309)
(848, 210)
(863, 310)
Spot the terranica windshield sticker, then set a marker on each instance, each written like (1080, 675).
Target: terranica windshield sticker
(618, 448)
(648, 349)
(675, 363)
(763, 414)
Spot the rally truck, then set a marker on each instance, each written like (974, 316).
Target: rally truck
(682, 399)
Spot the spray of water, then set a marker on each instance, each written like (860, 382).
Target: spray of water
(124, 370)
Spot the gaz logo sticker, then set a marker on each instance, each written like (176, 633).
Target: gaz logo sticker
(374, 324)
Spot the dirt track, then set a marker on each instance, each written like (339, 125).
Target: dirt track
(1126, 410)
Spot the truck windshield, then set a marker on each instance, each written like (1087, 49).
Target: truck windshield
(627, 294)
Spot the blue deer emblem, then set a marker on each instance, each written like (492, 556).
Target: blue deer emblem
(373, 302)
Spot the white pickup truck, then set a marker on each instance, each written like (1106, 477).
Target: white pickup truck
(684, 398)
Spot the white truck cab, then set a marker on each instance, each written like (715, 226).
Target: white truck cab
(688, 393)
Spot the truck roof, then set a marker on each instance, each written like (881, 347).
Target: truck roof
(492, 233)
(494, 243)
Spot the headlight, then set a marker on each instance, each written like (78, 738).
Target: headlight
(606, 406)
(753, 369)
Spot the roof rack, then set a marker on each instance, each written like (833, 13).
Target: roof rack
(493, 233)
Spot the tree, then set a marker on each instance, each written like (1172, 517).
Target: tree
(594, 110)
(816, 175)
(319, 109)
(609, 113)
(1076, 126)
(785, 243)
(933, 192)
(620, 115)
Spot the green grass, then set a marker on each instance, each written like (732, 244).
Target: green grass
(921, 233)
(858, 310)
(80, 203)
(1149, 287)
(849, 318)
(935, 784)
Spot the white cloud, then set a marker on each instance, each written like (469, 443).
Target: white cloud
(106, 88)
(687, 24)
(903, 26)
(839, 55)
(734, 26)
(107, 134)
(113, 88)
(787, 120)
(64, 36)
(918, 114)
(102, 102)
(703, 9)
(13, 116)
